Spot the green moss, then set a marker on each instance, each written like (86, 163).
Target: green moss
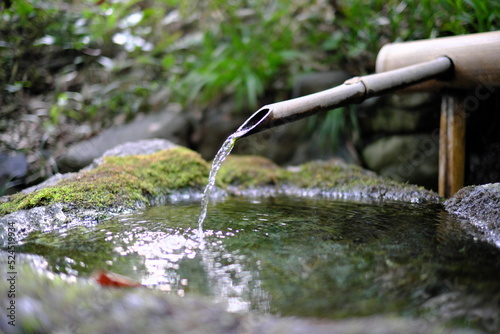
(124, 181)
(248, 171)
(330, 174)
(121, 181)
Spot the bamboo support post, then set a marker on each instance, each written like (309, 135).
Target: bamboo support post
(451, 145)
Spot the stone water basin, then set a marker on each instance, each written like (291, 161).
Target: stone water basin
(295, 256)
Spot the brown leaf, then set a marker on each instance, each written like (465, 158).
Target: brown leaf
(110, 279)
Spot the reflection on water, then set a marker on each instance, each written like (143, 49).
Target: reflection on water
(293, 256)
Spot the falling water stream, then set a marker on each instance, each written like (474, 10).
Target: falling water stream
(221, 155)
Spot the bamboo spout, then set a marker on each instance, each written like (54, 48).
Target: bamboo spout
(353, 90)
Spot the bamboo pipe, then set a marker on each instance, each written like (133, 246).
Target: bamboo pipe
(353, 90)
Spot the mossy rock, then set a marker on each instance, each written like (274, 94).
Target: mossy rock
(249, 171)
(132, 181)
(324, 178)
(121, 182)
(330, 174)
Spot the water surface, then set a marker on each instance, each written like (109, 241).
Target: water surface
(294, 256)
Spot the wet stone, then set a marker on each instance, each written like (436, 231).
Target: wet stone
(480, 205)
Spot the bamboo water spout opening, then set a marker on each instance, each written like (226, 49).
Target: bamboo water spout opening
(255, 120)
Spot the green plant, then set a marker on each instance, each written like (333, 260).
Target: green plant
(237, 55)
(333, 128)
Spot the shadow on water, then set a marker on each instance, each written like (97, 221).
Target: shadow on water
(293, 256)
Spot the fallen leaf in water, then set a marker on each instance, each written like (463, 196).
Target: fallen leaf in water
(108, 278)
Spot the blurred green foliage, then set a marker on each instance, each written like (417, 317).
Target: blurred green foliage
(99, 60)
(364, 26)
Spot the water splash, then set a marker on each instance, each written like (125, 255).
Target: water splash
(221, 155)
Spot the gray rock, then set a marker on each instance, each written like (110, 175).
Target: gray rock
(51, 181)
(24, 222)
(171, 125)
(13, 166)
(359, 193)
(140, 147)
(402, 132)
(405, 158)
(58, 217)
(389, 119)
(480, 205)
(400, 113)
(12, 169)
